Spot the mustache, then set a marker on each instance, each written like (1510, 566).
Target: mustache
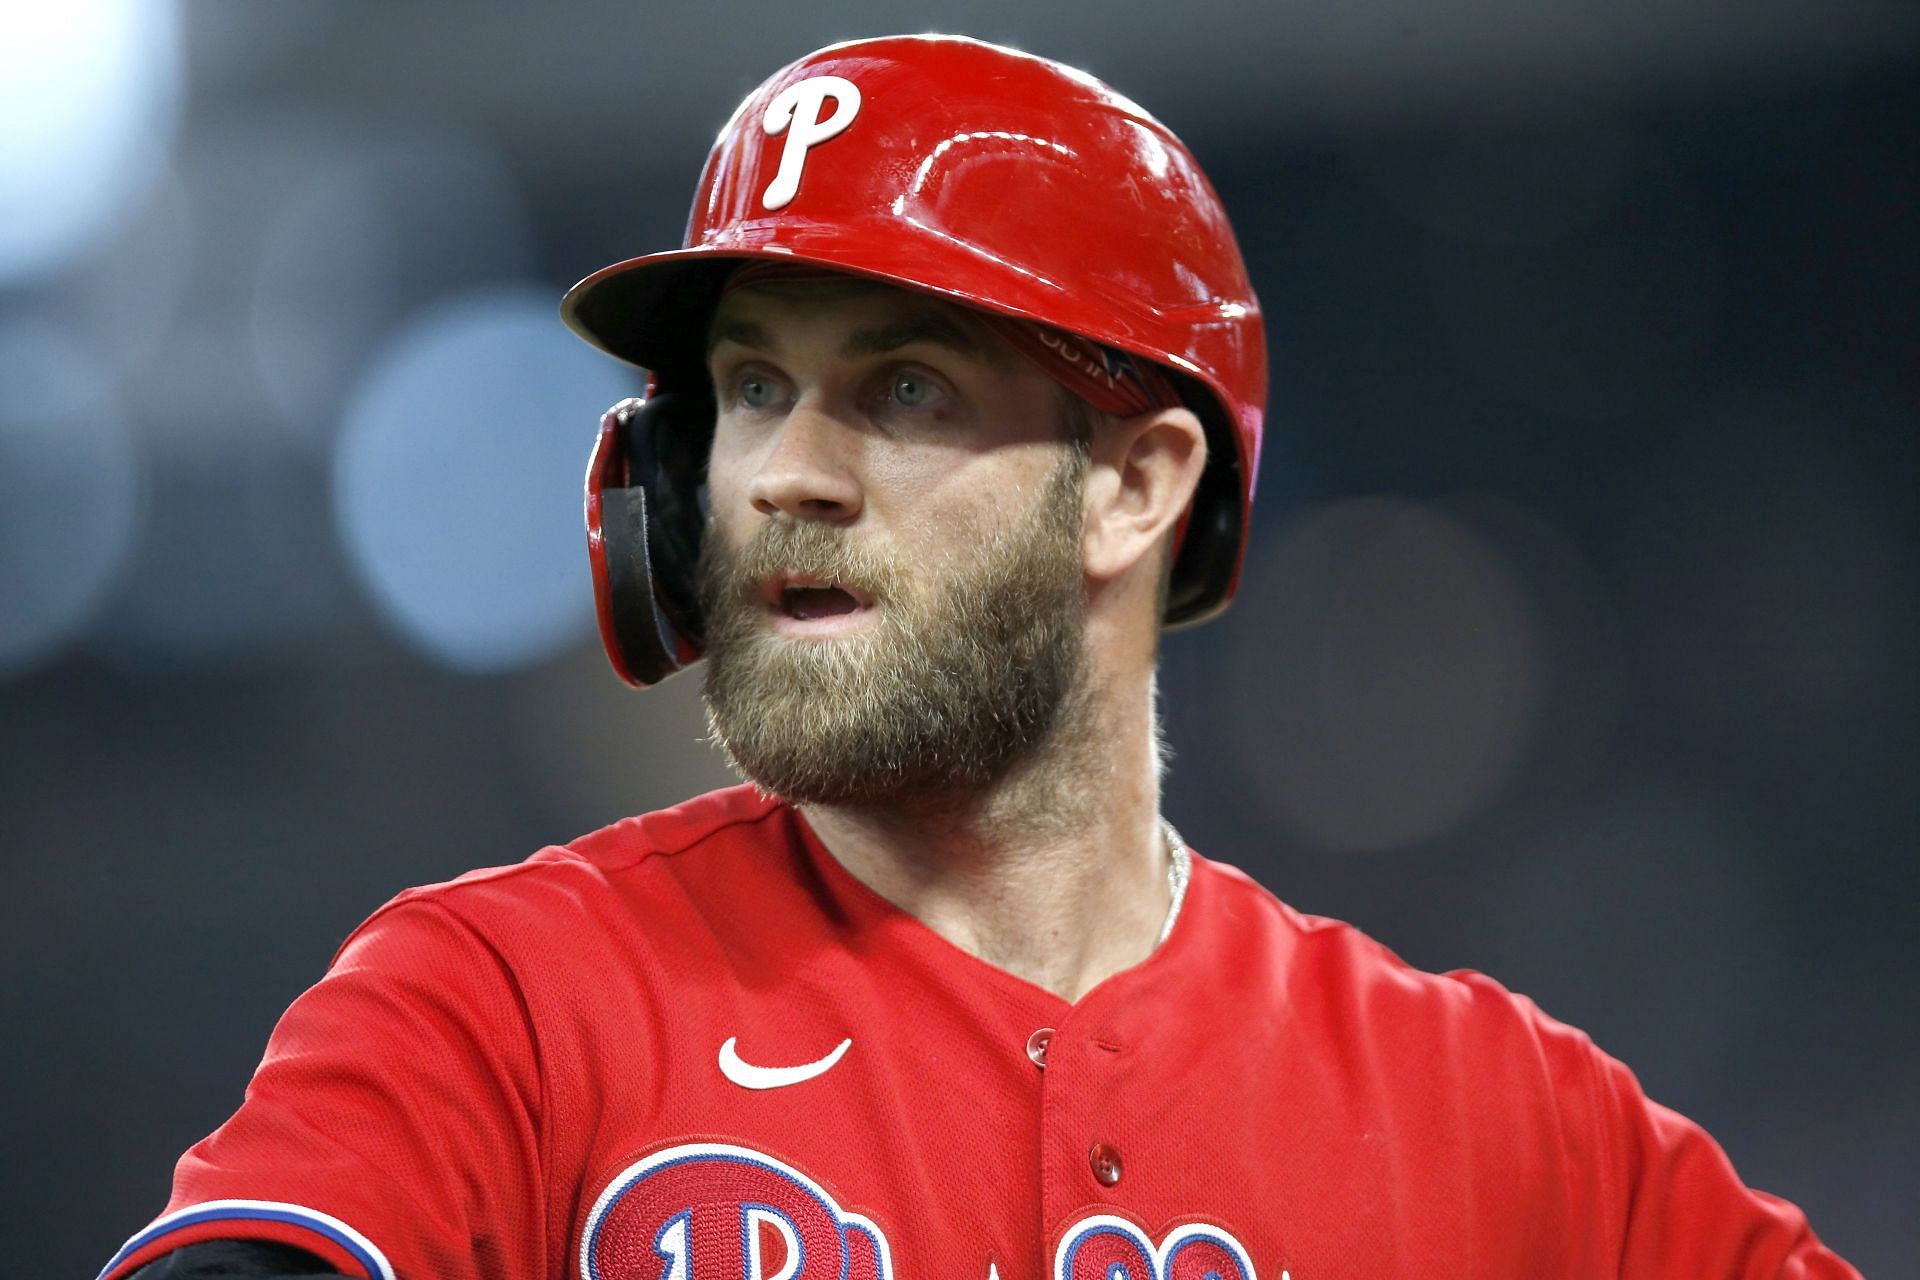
(812, 550)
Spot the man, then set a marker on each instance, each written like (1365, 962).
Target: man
(955, 402)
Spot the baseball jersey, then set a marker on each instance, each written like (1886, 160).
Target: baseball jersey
(691, 1046)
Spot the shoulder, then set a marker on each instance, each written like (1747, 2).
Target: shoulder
(1453, 1061)
(1345, 985)
(652, 864)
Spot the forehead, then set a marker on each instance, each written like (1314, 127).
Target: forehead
(759, 313)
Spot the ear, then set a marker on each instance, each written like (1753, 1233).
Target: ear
(1142, 474)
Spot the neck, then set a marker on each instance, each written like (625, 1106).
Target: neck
(1057, 873)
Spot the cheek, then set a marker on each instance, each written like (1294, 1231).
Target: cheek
(935, 479)
(730, 469)
(729, 509)
(907, 481)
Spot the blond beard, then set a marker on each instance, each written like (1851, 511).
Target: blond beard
(964, 673)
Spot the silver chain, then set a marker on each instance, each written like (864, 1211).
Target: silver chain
(1179, 870)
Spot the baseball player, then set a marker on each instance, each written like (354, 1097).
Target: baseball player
(955, 401)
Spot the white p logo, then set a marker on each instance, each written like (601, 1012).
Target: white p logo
(795, 111)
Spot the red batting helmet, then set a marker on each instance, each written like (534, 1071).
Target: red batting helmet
(980, 174)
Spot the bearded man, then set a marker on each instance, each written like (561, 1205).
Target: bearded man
(956, 400)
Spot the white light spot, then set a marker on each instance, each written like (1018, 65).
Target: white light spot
(89, 96)
(923, 172)
(458, 479)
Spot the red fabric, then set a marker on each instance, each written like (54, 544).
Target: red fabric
(516, 1073)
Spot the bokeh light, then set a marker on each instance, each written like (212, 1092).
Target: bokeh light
(1402, 667)
(69, 492)
(458, 476)
(359, 235)
(89, 96)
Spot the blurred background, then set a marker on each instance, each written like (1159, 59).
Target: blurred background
(1576, 642)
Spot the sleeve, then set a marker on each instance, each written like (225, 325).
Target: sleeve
(392, 1129)
(1683, 1211)
(236, 1260)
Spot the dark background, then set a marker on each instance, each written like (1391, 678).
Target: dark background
(1575, 643)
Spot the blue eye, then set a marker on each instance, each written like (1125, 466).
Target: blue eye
(911, 391)
(756, 393)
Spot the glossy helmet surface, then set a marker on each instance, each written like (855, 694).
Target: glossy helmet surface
(980, 174)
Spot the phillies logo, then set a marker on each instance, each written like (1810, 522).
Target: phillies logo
(795, 111)
(707, 1211)
(1109, 1248)
(738, 1213)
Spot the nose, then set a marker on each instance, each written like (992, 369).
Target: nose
(806, 473)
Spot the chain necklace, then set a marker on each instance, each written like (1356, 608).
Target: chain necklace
(1179, 869)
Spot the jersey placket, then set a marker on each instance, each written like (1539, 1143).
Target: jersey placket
(1083, 1158)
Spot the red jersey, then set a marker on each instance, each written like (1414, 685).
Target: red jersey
(692, 1047)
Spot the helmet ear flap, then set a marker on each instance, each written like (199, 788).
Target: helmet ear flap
(646, 512)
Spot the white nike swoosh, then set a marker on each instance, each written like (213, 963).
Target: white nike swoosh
(748, 1076)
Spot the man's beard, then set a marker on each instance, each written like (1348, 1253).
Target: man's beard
(961, 674)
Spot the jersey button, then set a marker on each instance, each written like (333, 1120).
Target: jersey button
(1037, 1046)
(1105, 1161)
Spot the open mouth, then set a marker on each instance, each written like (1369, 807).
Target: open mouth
(808, 605)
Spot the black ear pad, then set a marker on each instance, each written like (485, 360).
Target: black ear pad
(668, 440)
(651, 529)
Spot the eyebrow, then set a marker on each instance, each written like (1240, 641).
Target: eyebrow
(926, 326)
(743, 333)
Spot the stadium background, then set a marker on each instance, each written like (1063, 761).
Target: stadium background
(1575, 643)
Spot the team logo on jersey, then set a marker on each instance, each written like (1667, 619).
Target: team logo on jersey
(706, 1211)
(1104, 1247)
(709, 1211)
(797, 112)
